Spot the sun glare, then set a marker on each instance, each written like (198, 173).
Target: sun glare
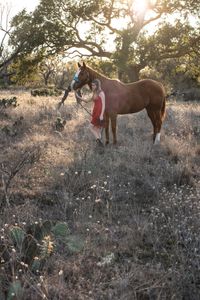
(139, 6)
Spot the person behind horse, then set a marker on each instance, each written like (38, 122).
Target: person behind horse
(97, 121)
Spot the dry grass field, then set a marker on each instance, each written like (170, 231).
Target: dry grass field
(79, 225)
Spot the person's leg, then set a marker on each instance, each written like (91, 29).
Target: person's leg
(96, 131)
(99, 131)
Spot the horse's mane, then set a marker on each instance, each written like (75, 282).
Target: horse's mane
(94, 74)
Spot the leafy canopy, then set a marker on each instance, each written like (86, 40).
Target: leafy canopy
(111, 29)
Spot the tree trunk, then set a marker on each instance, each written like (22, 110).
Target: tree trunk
(133, 72)
(120, 74)
(46, 78)
(130, 74)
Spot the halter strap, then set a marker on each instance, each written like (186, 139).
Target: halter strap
(76, 78)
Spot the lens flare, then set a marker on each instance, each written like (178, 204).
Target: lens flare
(139, 6)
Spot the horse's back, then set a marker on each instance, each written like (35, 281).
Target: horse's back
(147, 84)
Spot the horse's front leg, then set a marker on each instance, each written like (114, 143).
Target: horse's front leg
(113, 118)
(107, 128)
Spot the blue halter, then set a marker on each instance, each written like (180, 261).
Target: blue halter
(76, 78)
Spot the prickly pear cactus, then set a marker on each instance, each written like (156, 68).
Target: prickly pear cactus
(15, 290)
(30, 248)
(34, 244)
(61, 230)
(39, 230)
(47, 247)
(74, 243)
(17, 235)
(37, 264)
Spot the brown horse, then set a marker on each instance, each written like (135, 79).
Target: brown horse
(126, 98)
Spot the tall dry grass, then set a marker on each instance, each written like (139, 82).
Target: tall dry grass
(135, 207)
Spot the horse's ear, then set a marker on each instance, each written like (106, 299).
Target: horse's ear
(84, 65)
(79, 65)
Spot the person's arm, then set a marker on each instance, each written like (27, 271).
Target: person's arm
(82, 99)
(102, 96)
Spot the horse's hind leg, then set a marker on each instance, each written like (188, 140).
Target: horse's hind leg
(107, 128)
(158, 128)
(113, 118)
(156, 119)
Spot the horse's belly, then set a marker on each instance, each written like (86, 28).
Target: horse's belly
(129, 109)
(124, 112)
(124, 105)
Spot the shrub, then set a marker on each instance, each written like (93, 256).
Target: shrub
(46, 92)
(8, 102)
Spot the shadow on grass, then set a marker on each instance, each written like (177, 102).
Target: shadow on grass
(134, 205)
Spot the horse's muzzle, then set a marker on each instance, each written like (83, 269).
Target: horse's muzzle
(75, 85)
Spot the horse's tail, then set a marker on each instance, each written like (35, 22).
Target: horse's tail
(163, 109)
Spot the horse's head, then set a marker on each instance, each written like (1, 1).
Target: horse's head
(81, 78)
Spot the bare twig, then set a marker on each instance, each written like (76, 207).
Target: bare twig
(29, 157)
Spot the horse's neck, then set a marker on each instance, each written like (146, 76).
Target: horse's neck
(106, 83)
(96, 75)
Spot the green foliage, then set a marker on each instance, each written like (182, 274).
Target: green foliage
(7, 102)
(17, 235)
(169, 41)
(148, 72)
(61, 230)
(112, 29)
(46, 92)
(104, 66)
(60, 124)
(56, 27)
(29, 247)
(37, 264)
(39, 230)
(25, 67)
(182, 74)
(74, 243)
(65, 16)
(39, 239)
